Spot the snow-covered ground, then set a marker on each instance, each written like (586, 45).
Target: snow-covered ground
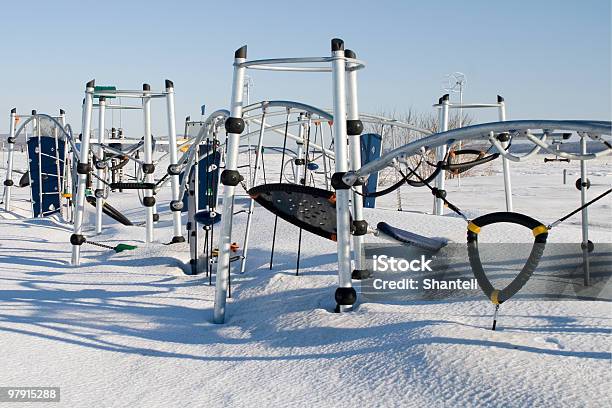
(132, 329)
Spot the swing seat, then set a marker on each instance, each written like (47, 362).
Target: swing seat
(205, 217)
(410, 238)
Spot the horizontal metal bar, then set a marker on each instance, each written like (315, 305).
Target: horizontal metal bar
(277, 64)
(469, 105)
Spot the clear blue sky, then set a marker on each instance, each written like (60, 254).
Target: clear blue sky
(549, 59)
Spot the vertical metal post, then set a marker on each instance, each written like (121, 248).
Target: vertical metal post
(36, 124)
(148, 160)
(82, 170)
(247, 232)
(345, 294)
(441, 152)
(505, 162)
(99, 189)
(8, 182)
(61, 160)
(354, 139)
(585, 213)
(174, 179)
(193, 206)
(231, 163)
(297, 171)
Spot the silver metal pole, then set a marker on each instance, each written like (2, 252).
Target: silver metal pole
(354, 138)
(505, 161)
(99, 173)
(441, 152)
(172, 147)
(149, 200)
(297, 170)
(234, 127)
(584, 213)
(82, 170)
(36, 123)
(8, 182)
(247, 233)
(345, 294)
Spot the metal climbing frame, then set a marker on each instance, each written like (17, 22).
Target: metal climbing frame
(84, 167)
(498, 132)
(444, 105)
(14, 134)
(338, 64)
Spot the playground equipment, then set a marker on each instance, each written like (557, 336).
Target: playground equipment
(339, 63)
(48, 140)
(84, 167)
(328, 214)
(443, 106)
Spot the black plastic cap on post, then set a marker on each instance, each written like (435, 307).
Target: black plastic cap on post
(146, 87)
(337, 44)
(500, 99)
(33, 111)
(62, 112)
(102, 98)
(188, 118)
(14, 110)
(91, 84)
(241, 52)
(169, 84)
(445, 97)
(350, 54)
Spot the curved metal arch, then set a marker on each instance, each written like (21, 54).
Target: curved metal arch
(67, 133)
(480, 131)
(289, 105)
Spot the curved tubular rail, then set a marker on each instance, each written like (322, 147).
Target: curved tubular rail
(289, 105)
(51, 118)
(366, 117)
(481, 131)
(66, 130)
(278, 64)
(512, 157)
(187, 161)
(566, 155)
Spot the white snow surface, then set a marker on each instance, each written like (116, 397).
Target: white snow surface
(132, 329)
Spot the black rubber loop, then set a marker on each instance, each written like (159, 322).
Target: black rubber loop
(541, 234)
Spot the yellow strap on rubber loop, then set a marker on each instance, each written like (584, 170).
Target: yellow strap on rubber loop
(495, 297)
(474, 228)
(540, 229)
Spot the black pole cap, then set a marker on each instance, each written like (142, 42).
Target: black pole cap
(169, 84)
(188, 118)
(350, 54)
(146, 87)
(500, 99)
(33, 111)
(241, 52)
(102, 98)
(337, 44)
(445, 97)
(91, 84)
(14, 110)
(62, 112)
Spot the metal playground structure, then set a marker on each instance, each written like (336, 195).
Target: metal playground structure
(321, 183)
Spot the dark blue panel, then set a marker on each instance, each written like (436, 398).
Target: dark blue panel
(44, 174)
(208, 179)
(371, 146)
